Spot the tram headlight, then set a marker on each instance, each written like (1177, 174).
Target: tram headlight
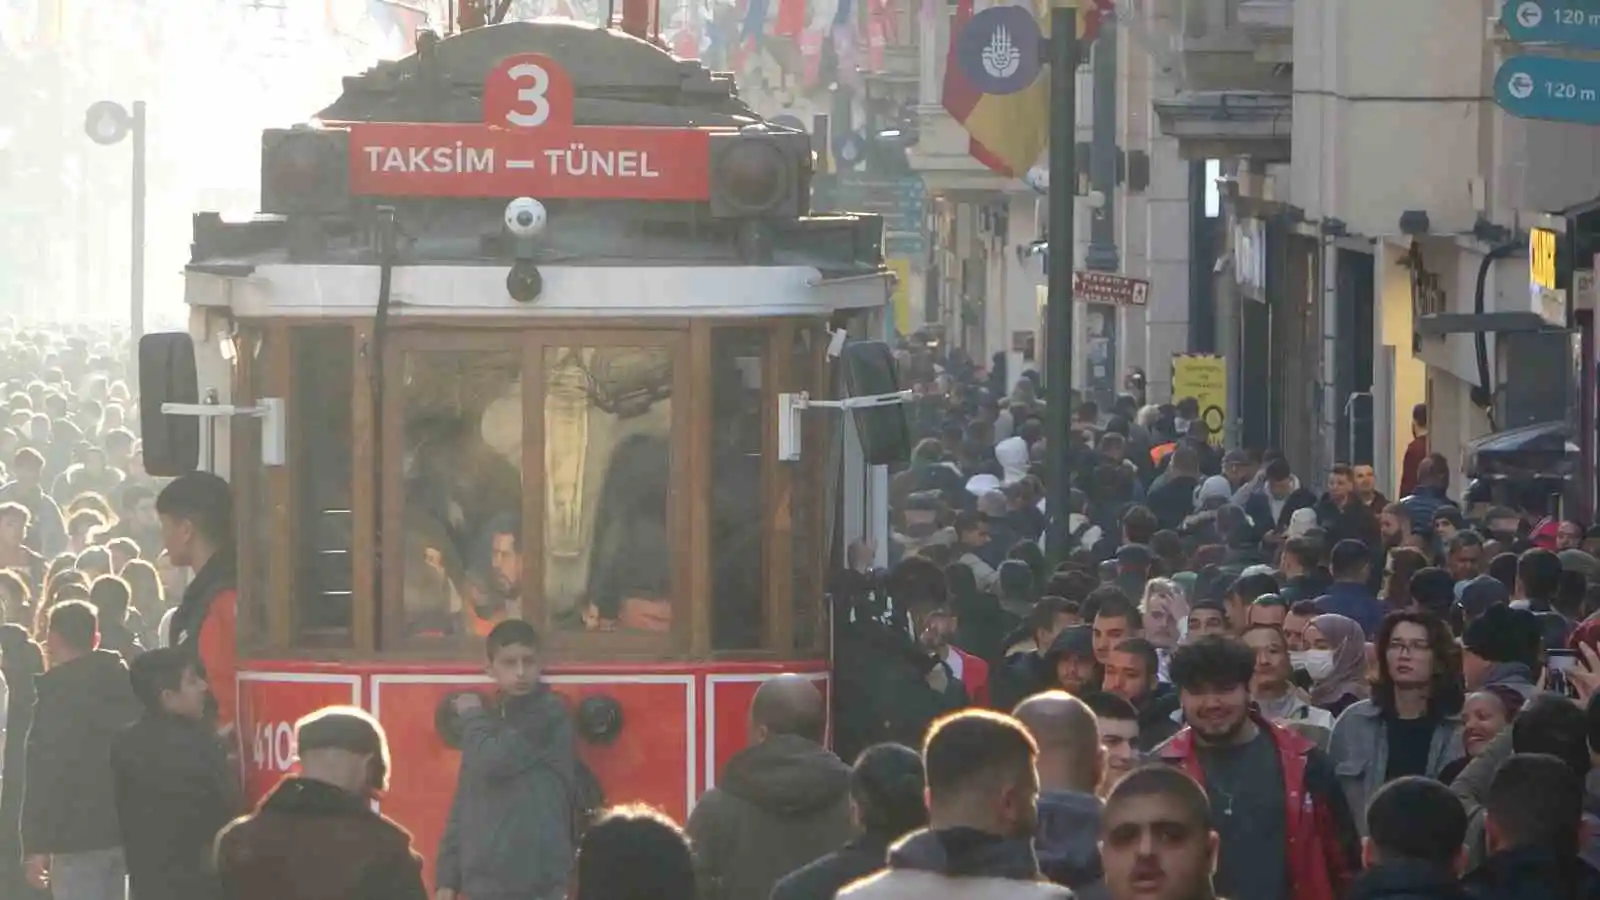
(760, 173)
(304, 171)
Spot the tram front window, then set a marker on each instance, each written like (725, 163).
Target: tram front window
(462, 485)
(608, 549)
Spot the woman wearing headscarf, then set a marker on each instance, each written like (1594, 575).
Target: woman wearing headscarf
(21, 662)
(1165, 610)
(1336, 660)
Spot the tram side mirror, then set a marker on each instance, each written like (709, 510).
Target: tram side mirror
(869, 371)
(167, 375)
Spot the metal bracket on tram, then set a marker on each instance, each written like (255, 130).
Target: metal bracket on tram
(790, 406)
(274, 434)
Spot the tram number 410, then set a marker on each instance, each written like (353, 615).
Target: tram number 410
(272, 746)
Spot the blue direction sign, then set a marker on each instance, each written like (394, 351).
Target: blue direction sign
(1545, 87)
(1572, 22)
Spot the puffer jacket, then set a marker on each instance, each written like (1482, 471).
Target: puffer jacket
(780, 804)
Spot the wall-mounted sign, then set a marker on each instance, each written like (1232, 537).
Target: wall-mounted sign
(1549, 88)
(528, 145)
(1549, 300)
(1542, 258)
(1108, 287)
(1572, 22)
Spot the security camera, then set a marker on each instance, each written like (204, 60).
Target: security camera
(525, 217)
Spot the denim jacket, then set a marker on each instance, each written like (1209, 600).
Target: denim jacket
(1360, 751)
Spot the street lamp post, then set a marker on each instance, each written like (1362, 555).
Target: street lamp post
(109, 122)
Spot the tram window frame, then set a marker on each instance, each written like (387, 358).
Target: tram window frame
(303, 394)
(809, 371)
(764, 340)
(532, 340)
(257, 373)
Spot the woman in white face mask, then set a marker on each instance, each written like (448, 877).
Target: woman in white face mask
(1336, 660)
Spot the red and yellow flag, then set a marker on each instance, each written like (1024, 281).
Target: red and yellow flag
(997, 81)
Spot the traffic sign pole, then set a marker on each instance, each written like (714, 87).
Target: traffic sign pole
(1058, 310)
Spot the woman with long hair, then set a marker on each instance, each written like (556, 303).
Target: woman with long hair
(886, 798)
(1404, 562)
(1411, 724)
(1336, 659)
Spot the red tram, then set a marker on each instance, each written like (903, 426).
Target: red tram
(528, 325)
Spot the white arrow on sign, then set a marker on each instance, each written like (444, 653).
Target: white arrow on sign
(1520, 85)
(1530, 14)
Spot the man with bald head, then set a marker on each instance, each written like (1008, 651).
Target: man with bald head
(1071, 764)
(778, 804)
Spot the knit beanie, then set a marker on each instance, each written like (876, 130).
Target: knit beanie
(1504, 635)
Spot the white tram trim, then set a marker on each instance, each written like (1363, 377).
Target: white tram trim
(714, 679)
(316, 290)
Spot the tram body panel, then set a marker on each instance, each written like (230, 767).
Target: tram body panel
(679, 726)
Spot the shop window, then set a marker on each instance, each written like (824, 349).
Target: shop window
(608, 542)
(738, 585)
(461, 483)
(323, 364)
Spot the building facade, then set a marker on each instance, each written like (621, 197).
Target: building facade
(1378, 207)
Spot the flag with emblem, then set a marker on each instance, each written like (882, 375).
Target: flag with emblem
(995, 83)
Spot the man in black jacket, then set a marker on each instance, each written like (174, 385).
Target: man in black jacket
(69, 828)
(1415, 845)
(173, 789)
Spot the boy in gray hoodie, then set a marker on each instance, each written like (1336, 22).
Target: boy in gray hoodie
(509, 836)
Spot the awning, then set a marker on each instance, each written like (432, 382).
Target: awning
(1542, 450)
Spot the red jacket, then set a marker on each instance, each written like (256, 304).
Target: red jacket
(974, 677)
(1324, 849)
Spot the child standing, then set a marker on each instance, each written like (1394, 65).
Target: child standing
(509, 836)
(171, 780)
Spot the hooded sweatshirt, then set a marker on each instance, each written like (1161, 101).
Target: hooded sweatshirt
(779, 805)
(1068, 843)
(958, 864)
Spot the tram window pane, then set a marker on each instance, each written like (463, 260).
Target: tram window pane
(607, 555)
(323, 372)
(738, 608)
(462, 570)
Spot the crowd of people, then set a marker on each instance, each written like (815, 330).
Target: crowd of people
(1231, 684)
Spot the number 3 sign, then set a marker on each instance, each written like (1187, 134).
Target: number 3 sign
(526, 91)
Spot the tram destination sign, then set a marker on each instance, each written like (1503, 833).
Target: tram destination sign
(1575, 23)
(1549, 88)
(527, 145)
(1108, 287)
